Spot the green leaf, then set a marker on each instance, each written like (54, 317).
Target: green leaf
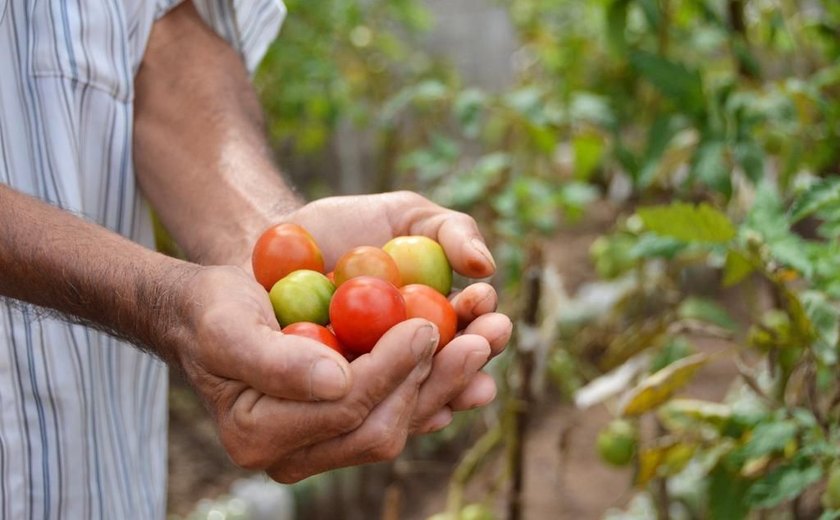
(675, 80)
(675, 349)
(616, 25)
(825, 319)
(767, 438)
(654, 246)
(710, 167)
(726, 495)
(690, 223)
(820, 195)
(702, 309)
(468, 108)
(589, 151)
(782, 484)
(736, 268)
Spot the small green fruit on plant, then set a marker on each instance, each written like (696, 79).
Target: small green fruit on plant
(617, 443)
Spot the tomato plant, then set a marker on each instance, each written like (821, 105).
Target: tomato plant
(282, 249)
(303, 295)
(314, 331)
(421, 260)
(362, 310)
(367, 261)
(421, 301)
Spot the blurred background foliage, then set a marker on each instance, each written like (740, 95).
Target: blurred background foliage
(709, 129)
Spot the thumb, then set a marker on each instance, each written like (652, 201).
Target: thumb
(293, 367)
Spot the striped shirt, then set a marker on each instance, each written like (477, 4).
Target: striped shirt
(82, 415)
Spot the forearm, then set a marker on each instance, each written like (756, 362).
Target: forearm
(56, 260)
(200, 150)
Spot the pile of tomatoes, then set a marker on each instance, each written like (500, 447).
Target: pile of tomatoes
(369, 291)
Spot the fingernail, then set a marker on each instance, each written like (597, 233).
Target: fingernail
(328, 380)
(425, 340)
(481, 249)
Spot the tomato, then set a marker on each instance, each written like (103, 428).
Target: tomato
(362, 310)
(617, 443)
(367, 261)
(314, 331)
(282, 249)
(302, 296)
(421, 260)
(421, 301)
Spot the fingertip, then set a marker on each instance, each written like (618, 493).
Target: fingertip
(440, 420)
(481, 391)
(328, 380)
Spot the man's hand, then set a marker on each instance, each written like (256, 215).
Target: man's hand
(287, 404)
(456, 381)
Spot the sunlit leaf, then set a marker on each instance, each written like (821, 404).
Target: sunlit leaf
(819, 195)
(660, 386)
(691, 413)
(736, 268)
(682, 221)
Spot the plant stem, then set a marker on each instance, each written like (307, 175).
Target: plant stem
(526, 362)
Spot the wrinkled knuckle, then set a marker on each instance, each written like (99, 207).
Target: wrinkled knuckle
(349, 418)
(390, 449)
(386, 443)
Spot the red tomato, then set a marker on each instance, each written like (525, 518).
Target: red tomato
(282, 249)
(367, 261)
(421, 301)
(314, 331)
(331, 276)
(362, 310)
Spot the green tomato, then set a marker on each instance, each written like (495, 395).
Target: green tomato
(617, 443)
(421, 260)
(302, 295)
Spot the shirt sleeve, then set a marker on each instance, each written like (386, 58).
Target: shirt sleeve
(248, 25)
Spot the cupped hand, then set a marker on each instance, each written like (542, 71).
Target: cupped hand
(286, 404)
(456, 381)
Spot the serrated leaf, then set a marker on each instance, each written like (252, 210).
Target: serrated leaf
(820, 195)
(687, 222)
(702, 309)
(782, 484)
(736, 268)
(660, 386)
(766, 439)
